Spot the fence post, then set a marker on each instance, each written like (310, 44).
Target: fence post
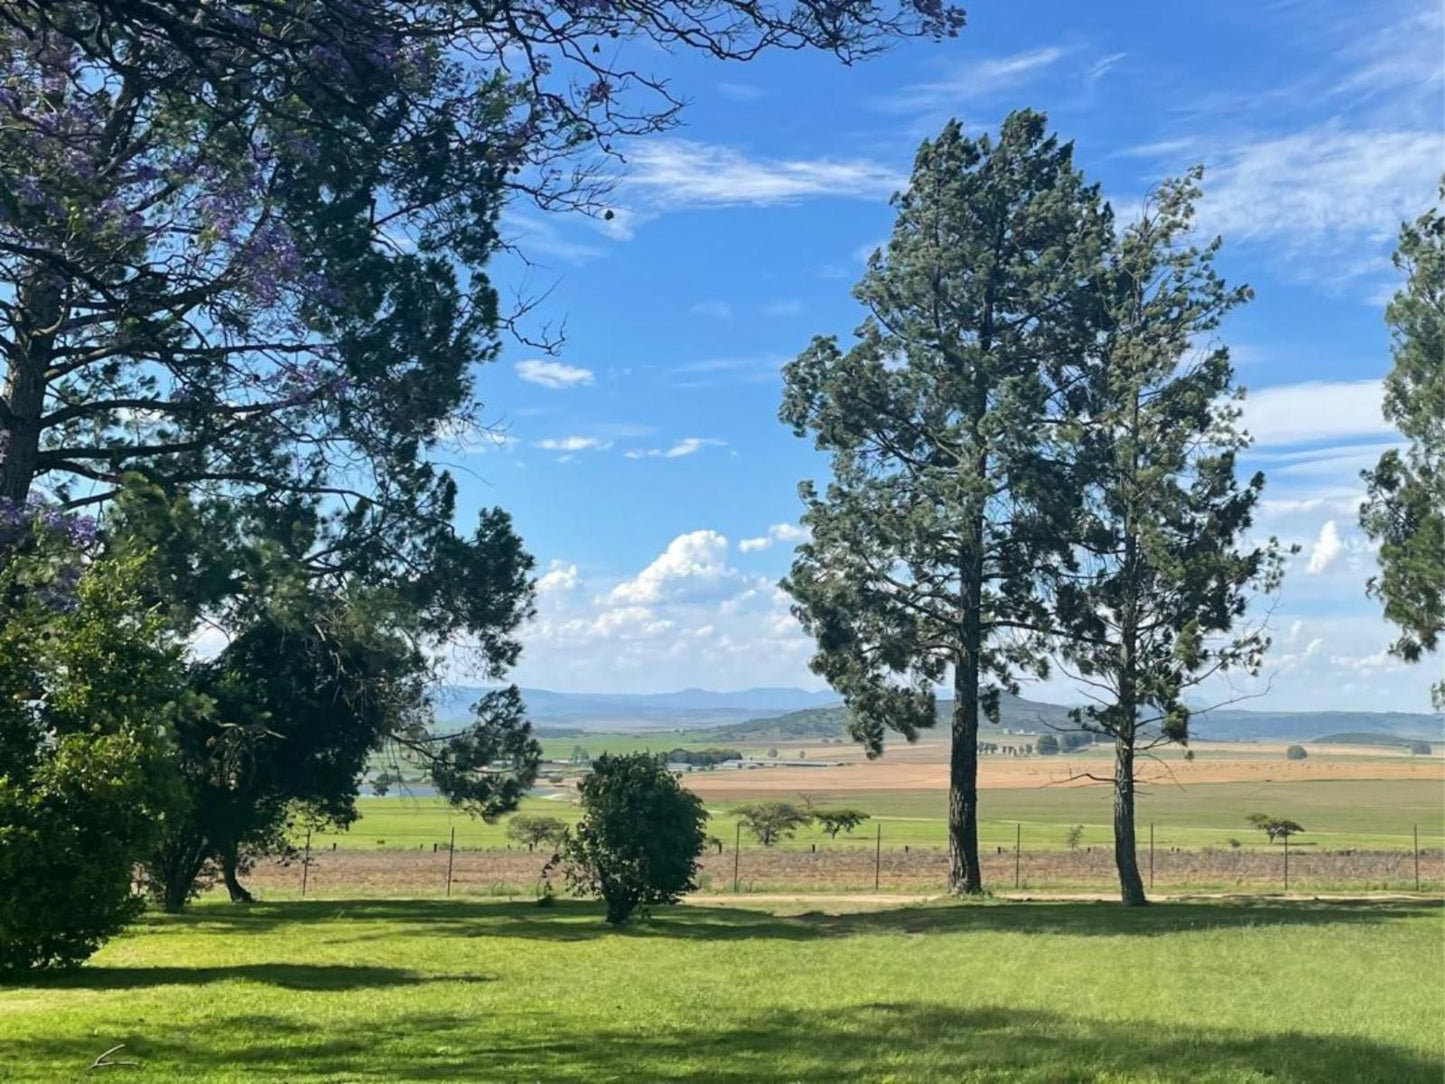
(306, 864)
(1417, 858)
(878, 858)
(1286, 862)
(1018, 841)
(451, 856)
(737, 851)
(1151, 856)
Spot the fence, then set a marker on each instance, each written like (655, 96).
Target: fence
(866, 862)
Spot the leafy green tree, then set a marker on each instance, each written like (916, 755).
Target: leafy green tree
(769, 822)
(640, 836)
(1047, 745)
(532, 829)
(1163, 582)
(1074, 836)
(834, 821)
(1296, 752)
(1405, 508)
(1276, 828)
(947, 494)
(90, 686)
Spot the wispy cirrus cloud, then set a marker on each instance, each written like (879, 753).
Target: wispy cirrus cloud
(970, 79)
(1315, 411)
(678, 449)
(674, 173)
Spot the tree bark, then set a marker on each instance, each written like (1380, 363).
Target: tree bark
(22, 398)
(965, 876)
(1126, 852)
(229, 861)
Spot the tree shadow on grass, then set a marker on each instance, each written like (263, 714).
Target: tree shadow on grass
(569, 920)
(285, 976)
(903, 1041)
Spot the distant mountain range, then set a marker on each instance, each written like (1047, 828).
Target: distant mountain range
(777, 714)
(685, 709)
(1220, 724)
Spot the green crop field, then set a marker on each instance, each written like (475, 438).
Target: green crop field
(1290, 993)
(1337, 814)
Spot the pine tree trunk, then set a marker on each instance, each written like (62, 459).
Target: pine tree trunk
(1126, 852)
(23, 393)
(965, 877)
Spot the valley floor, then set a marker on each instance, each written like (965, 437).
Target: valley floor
(395, 990)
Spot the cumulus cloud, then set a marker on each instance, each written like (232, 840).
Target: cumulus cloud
(676, 450)
(553, 374)
(687, 618)
(692, 562)
(778, 532)
(560, 576)
(1328, 546)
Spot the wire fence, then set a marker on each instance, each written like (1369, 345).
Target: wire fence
(871, 864)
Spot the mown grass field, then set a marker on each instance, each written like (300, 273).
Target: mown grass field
(1042, 993)
(1337, 814)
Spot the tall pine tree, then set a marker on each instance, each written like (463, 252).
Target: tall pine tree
(1157, 602)
(1405, 511)
(947, 493)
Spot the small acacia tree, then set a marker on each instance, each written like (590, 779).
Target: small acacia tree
(639, 838)
(532, 829)
(834, 821)
(1276, 828)
(771, 821)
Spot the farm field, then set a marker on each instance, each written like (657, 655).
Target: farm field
(1041, 992)
(1336, 814)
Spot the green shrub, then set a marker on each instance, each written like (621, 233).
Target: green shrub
(639, 838)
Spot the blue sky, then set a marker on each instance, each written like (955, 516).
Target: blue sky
(644, 464)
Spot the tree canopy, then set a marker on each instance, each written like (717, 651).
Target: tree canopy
(1405, 508)
(949, 492)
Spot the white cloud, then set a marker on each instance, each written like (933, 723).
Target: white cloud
(717, 310)
(573, 444)
(685, 173)
(1101, 67)
(972, 79)
(560, 576)
(542, 235)
(553, 374)
(698, 558)
(1326, 548)
(685, 619)
(778, 532)
(1317, 410)
(678, 449)
(1321, 186)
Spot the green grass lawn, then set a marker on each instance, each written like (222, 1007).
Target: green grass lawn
(406, 990)
(1360, 814)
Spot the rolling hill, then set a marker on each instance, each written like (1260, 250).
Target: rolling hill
(1028, 716)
